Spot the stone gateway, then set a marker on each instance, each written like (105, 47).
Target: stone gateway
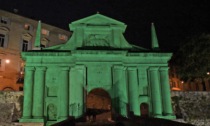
(58, 79)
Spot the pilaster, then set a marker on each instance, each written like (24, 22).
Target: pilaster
(76, 90)
(38, 101)
(120, 90)
(28, 93)
(133, 90)
(165, 90)
(155, 91)
(64, 94)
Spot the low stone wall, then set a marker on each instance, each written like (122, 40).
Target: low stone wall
(11, 105)
(189, 107)
(192, 107)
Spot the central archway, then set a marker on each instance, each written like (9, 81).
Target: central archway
(98, 107)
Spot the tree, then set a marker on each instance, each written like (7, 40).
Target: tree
(192, 59)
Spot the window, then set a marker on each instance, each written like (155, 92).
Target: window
(4, 34)
(44, 42)
(173, 84)
(4, 20)
(62, 37)
(45, 32)
(42, 46)
(20, 88)
(2, 65)
(25, 45)
(2, 40)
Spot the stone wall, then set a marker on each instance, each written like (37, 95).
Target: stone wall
(192, 107)
(189, 107)
(10, 106)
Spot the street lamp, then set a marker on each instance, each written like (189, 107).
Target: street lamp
(7, 61)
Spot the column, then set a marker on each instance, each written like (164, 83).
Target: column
(166, 94)
(144, 88)
(155, 91)
(77, 83)
(133, 90)
(143, 80)
(120, 90)
(38, 101)
(63, 93)
(28, 92)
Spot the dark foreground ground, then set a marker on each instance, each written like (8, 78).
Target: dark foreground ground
(121, 121)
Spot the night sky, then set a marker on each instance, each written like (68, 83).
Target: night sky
(174, 19)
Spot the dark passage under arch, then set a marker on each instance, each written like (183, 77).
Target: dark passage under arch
(98, 105)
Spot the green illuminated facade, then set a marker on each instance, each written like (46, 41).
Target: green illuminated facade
(58, 78)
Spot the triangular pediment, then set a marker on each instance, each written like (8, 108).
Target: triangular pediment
(96, 32)
(97, 19)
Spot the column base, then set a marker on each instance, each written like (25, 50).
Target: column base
(49, 123)
(24, 120)
(158, 116)
(170, 116)
(61, 119)
(165, 116)
(29, 124)
(26, 117)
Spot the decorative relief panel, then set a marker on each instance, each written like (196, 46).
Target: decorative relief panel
(97, 40)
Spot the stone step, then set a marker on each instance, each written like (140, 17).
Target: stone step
(95, 124)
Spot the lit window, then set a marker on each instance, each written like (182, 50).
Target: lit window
(2, 40)
(173, 84)
(45, 32)
(4, 20)
(25, 45)
(27, 27)
(62, 37)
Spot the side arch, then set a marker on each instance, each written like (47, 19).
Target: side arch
(8, 89)
(144, 109)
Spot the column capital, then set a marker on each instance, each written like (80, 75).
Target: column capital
(29, 68)
(153, 68)
(119, 67)
(132, 68)
(42, 68)
(143, 67)
(165, 68)
(64, 68)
